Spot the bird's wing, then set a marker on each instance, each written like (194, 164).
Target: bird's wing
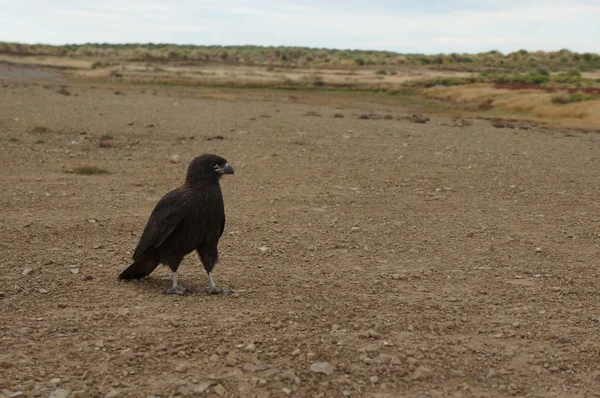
(165, 217)
(222, 226)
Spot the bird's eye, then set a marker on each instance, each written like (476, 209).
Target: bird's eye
(214, 165)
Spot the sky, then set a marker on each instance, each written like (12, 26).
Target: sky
(417, 26)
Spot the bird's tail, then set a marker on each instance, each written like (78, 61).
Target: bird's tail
(140, 268)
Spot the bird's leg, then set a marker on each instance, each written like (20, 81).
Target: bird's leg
(213, 289)
(175, 288)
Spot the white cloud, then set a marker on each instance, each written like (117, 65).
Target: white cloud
(428, 26)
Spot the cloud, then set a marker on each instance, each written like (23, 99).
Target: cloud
(428, 26)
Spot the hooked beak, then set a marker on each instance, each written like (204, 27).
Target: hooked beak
(227, 169)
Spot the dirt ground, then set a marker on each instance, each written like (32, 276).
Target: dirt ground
(372, 258)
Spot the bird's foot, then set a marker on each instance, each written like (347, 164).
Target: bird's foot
(218, 290)
(178, 289)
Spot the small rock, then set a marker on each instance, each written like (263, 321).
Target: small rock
(43, 291)
(175, 159)
(231, 359)
(322, 367)
(56, 380)
(220, 390)
(311, 355)
(60, 393)
(74, 271)
(374, 334)
(538, 249)
(286, 391)
(374, 379)
(127, 353)
(2, 294)
(263, 249)
(288, 375)
(296, 352)
(412, 362)
(250, 347)
(182, 367)
(27, 385)
(27, 271)
(200, 388)
(421, 373)
(79, 394)
(389, 359)
(123, 311)
(112, 394)
(368, 360)
(214, 358)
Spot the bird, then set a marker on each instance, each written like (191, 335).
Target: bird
(190, 217)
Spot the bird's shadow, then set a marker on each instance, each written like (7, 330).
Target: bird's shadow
(153, 284)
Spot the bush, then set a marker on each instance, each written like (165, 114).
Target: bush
(381, 72)
(543, 71)
(575, 97)
(580, 97)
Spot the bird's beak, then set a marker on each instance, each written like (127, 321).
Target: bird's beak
(227, 170)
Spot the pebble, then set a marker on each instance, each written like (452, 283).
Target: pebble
(123, 311)
(374, 334)
(27, 385)
(127, 353)
(112, 394)
(2, 294)
(422, 373)
(60, 393)
(231, 359)
(296, 352)
(214, 358)
(538, 249)
(182, 367)
(175, 159)
(27, 271)
(250, 347)
(412, 362)
(311, 355)
(200, 388)
(374, 379)
(43, 291)
(56, 380)
(74, 271)
(219, 390)
(79, 394)
(286, 391)
(367, 360)
(288, 375)
(322, 367)
(389, 359)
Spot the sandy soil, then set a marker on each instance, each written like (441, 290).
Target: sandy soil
(417, 260)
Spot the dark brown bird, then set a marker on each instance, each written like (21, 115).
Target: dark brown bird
(191, 217)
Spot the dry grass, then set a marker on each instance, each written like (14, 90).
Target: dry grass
(528, 103)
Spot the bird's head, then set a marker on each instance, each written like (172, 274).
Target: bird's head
(207, 167)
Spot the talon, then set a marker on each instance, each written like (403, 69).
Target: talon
(178, 290)
(213, 290)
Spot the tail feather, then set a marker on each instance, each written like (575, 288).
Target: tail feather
(140, 268)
